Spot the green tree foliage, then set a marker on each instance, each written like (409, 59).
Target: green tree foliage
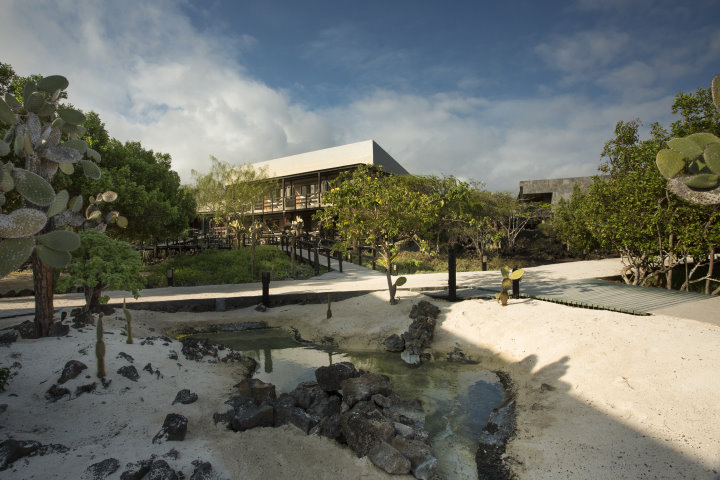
(150, 194)
(384, 211)
(631, 211)
(228, 192)
(102, 263)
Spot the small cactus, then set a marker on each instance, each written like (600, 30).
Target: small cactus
(100, 348)
(506, 284)
(128, 318)
(399, 283)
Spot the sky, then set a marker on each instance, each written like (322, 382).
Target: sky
(484, 90)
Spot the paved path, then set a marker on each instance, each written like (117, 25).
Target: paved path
(564, 282)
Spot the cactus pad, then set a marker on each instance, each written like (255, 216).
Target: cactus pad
(35, 103)
(66, 168)
(12, 102)
(23, 222)
(703, 181)
(690, 149)
(53, 83)
(13, 253)
(109, 196)
(61, 153)
(90, 169)
(33, 187)
(6, 181)
(59, 204)
(60, 240)
(71, 116)
(79, 145)
(670, 162)
(94, 156)
(122, 222)
(517, 274)
(53, 258)
(4, 148)
(712, 157)
(6, 114)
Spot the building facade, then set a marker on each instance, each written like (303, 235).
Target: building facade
(301, 180)
(551, 190)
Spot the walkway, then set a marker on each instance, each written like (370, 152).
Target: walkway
(563, 283)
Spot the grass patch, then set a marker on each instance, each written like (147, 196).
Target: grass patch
(418, 262)
(217, 267)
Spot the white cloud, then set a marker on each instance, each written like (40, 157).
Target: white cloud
(153, 77)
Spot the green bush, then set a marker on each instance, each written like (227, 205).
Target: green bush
(217, 267)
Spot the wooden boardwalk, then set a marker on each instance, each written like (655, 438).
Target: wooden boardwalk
(604, 295)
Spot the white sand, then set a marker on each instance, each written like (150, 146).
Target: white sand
(629, 397)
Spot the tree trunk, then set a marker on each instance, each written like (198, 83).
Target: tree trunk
(92, 298)
(44, 282)
(391, 289)
(711, 270)
(671, 261)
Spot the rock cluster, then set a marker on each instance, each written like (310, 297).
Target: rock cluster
(357, 409)
(420, 333)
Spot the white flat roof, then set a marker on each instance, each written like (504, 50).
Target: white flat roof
(366, 152)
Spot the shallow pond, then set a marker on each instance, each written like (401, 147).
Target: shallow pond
(457, 398)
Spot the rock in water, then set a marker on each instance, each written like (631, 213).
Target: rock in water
(389, 459)
(329, 377)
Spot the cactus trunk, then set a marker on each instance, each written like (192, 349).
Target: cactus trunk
(100, 348)
(43, 282)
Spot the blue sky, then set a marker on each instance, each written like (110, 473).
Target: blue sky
(493, 91)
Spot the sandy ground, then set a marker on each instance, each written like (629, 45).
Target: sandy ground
(600, 394)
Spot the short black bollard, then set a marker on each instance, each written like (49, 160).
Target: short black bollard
(266, 288)
(484, 263)
(516, 288)
(340, 260)
(169, 275)
(452, 269)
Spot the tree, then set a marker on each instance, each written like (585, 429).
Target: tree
(229, 192)
(632, 212)
(482, 231)
(102, 263)
(514, 215)
(382, 211)
(150, 193)
(45, 139)
(453, 213)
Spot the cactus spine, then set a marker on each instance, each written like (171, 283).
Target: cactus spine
(100, 348)
(128, 318)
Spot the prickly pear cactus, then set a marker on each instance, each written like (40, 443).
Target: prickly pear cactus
(46, 137)
(506, 285)
(692, 163)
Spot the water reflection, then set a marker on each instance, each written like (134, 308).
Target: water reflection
(457, 398)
